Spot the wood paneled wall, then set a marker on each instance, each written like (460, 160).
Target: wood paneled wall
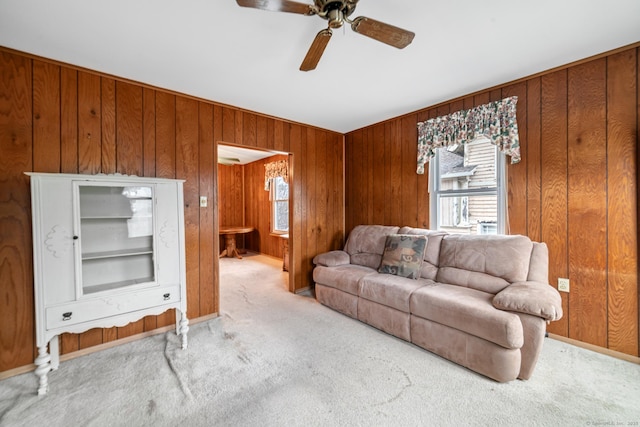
(56, 118)
(576, 188)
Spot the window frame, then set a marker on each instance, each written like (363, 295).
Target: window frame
(500, 191)
(273, 202)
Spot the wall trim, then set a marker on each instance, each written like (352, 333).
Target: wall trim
(597, 349)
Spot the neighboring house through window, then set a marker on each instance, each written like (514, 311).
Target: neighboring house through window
(279, 196)
(468, 189)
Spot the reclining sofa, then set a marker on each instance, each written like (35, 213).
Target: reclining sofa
(481, 301)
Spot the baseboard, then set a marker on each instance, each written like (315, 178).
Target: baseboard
(597, 349)
(68, 356)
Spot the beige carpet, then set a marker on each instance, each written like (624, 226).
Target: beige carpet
(276, 359)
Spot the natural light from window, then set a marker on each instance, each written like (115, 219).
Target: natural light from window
(468, 193)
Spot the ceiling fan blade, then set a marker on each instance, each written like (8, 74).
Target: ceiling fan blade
(310, 61)
(279, 6)
(385, 33)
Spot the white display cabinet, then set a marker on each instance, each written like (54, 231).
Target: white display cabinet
(107, 250)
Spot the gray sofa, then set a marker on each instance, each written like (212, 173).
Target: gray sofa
(481, 301)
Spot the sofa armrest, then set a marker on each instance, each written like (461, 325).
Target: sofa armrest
(332, 259)
(535, 298)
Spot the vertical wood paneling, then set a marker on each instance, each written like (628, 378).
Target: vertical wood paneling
(554, 183)
(296, 254)
(187, 169)
(108, 104)
(320, 179)
(394, 215)
(165, 135)
(249, 130)
(68, 120)
(89, 124)
(16, 265)
(378, 179)
(587, 202)
(622, 205)
(217, 136)
(46, 117)
(149, 131)
(409, 135)
(533, 159)
(310, 237)
(129, 140)
(206, 147)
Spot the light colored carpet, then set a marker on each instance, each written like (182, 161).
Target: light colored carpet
(274, 359)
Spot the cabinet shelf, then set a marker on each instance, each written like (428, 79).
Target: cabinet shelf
(115, 254)
(94, 217)
(115, 285)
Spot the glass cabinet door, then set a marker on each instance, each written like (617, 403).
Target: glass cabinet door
(116, 235)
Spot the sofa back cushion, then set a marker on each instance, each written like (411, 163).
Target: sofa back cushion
(429, 268)
(539, 264)
(365, 244)
(487, 263)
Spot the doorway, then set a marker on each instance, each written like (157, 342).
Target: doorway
(244, 201)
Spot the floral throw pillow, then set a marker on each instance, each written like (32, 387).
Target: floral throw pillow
(403, 255)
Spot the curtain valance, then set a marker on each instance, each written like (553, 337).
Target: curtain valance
(275, 169)
(496, 121)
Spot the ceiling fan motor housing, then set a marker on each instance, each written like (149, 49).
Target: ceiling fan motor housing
(335, 10)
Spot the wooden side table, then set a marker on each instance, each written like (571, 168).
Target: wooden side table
(230, 240)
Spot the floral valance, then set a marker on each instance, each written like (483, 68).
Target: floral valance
(275, 169)
(496, 121)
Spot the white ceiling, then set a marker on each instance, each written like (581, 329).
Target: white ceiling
(247, 58)
(234, 155)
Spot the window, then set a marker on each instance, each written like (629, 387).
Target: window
(468, 189)
(279, 196)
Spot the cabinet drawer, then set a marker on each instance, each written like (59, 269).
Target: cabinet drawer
(112, 305)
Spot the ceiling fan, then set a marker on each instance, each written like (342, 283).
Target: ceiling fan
(336, 12)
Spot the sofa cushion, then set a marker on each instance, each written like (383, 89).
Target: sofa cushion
(432, 251)
(365, 244)
(505, 258)
(403, 255)
(470, 311)
(392, 291)
(344, 277)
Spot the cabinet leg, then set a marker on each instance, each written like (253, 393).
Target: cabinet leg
(54, 351)
(183, 329)
(42, 369)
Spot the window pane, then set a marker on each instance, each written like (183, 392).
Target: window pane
(282, 189)
(469, 214)
(281, 215)
(472, 165)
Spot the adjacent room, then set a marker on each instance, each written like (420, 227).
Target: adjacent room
(314, 212)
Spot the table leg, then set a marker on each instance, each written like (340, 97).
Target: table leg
(231, 250)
